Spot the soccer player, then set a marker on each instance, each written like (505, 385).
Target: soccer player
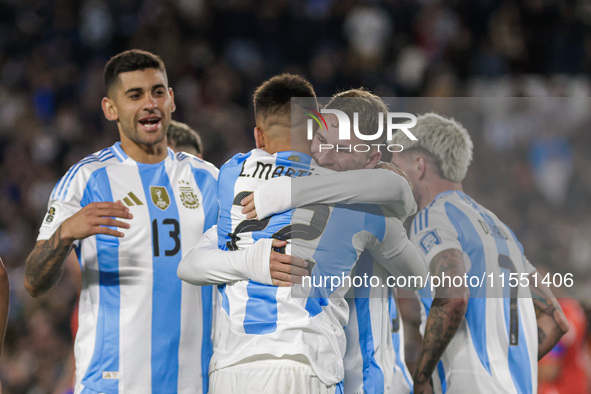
(130, 211)
(477, 338)
(374, 360)
(182, 138)
(263, 333)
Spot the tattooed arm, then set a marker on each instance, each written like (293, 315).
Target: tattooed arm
(45, 265)
(552, 323)
(447, 311)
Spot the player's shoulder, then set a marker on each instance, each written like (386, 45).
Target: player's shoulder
(237, 159)
(82, 171)
(449, 204)
(88, 165)
(434, 217)
(98, 159)
(184, 158)
(254, 156)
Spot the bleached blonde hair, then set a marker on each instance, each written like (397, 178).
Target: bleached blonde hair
(445, 140)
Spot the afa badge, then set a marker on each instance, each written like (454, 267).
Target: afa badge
(188, 196)
(160, 197)
(429, 240)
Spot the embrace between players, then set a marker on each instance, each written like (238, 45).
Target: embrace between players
(136, 212)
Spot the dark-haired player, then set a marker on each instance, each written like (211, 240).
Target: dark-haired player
(265, 336)
(128, 211)
(182, 138)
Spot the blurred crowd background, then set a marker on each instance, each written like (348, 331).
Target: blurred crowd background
(533, 171)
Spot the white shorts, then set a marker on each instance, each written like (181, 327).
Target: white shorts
(269, 376)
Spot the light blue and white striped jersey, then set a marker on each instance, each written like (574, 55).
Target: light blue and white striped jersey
(496, 346)
(259, 321)
(141, 329)
(374, 359)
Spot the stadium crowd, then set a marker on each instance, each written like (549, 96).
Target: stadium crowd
(217, 52)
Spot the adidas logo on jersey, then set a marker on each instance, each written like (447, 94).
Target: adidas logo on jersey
(110, 375)
(132, 200)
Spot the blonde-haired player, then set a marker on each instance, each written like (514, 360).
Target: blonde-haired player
(478, 337)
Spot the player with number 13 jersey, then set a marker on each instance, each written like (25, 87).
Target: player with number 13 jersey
(131, 297)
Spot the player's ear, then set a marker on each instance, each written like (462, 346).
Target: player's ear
(259, 138)
(373, 159)
(109, 109)
(173, 105)
(421, 166)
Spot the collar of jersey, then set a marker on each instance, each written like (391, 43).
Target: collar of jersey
(442, 194)
(122, 156)
(304, 158)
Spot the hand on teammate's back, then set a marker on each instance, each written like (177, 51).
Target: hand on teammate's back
(248, 206)
(285, 269)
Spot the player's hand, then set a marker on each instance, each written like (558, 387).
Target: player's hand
(248, 206)
(423, 388)
(285, 269)
(94, 218)
(394, 168)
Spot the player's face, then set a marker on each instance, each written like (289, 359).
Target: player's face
(142, 104)
(345, 157)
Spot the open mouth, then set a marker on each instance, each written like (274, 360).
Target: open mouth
(150, 123)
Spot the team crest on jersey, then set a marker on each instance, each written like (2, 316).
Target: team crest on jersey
(429, 240)
(188, 197)
(160, 197)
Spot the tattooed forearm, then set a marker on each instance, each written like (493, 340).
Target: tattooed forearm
(541, 336)
(449, 261)
(45, 264)
(446, 314)
(444, 319)
(552, 323)
(542, 303)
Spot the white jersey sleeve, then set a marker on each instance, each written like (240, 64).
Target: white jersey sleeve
(433, 233)
(206, 264)
(398, 255)
(65, 199)
(369, 186)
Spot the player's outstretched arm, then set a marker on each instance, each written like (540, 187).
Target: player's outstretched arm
(369, 186)
(45, 265)
(447, 312)
(552, 323)
(205, 264)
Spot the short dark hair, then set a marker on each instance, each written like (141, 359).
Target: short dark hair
(180, 134)
(369, 106)
(131, 60)
(273, 97)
